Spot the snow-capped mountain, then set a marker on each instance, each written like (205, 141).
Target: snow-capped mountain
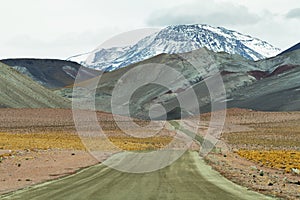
(104, 59)
(80, 58)
(181, 39)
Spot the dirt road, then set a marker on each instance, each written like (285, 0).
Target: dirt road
(188, 178)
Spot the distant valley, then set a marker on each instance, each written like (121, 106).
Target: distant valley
(259, 85)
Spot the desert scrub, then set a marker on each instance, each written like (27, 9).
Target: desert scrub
(18, 141)
(140, 144)
(277, 159)
(269, 135)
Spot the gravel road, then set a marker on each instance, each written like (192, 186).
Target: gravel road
(187, 178)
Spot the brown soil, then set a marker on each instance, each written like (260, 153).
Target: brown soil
(51, 158)
(29, 155)
(37, 145)
(260, 132)
(27, 168)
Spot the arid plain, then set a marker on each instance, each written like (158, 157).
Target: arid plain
(258, 150)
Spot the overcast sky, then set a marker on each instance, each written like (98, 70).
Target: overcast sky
(62, 28)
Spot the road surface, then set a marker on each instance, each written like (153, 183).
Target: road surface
(189, 178)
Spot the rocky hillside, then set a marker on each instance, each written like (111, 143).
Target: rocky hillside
(271, 84)
(51, 73)
(19, 91)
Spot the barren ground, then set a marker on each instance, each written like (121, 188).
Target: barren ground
(42, 144)
(261, 150)
(258, 150)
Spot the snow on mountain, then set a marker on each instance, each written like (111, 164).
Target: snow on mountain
(105, 58)
(181, 39)
(80, 58)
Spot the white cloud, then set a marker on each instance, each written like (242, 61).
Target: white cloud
(262, 19)
(294, 13)
(210, 12)
(61, 28)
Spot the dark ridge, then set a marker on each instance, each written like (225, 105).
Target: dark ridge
(293, 48)
(51, 73)
(223, 73)
(282, 69)
(32, 60)
(258, 75)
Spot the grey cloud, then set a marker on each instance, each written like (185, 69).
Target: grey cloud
(211, 13)
(294, 13)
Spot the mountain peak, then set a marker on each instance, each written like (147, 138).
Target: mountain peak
(180, 39)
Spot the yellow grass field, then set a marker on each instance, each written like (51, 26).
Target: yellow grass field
(277, 159)
(67, 141)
